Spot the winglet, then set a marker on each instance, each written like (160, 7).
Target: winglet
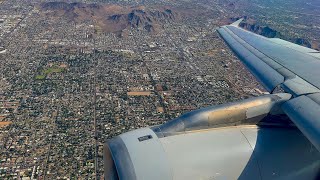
(237, 22)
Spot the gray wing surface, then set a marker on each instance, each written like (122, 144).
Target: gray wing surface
(278, 63)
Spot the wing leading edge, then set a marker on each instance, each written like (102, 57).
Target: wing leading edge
(275, 62)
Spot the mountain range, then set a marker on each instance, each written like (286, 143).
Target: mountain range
(112, 18)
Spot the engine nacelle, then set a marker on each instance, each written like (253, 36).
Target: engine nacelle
(206, 144)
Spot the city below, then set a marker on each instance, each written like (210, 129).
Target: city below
(75, 73)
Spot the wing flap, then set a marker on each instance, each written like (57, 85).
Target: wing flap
(297, 86)
(304, 112)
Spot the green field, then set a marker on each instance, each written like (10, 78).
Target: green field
(43, 74)
(40, 77)
(52, 70)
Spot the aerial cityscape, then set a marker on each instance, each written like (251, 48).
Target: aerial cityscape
(75, 73)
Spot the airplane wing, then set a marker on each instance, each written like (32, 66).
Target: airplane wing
(237, 140)
(278, 63)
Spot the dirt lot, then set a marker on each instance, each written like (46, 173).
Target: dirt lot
(4, 123)
(139, 93)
